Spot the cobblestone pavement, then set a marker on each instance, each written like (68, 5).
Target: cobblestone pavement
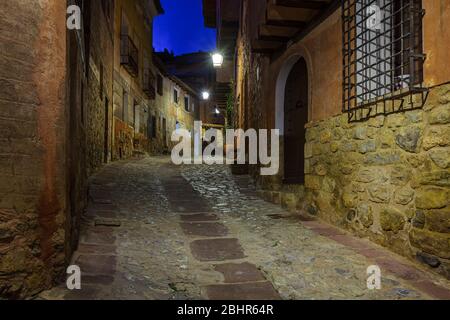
(156, 231)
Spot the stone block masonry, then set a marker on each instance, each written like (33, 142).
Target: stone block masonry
(387, 179)
(32, 154)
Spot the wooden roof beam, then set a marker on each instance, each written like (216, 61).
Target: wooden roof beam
(276, 33)
(305, 4)
(288, 16)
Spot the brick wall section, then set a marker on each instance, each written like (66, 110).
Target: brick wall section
(32, 158)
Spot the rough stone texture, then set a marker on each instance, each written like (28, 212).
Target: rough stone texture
(99, 92)
(32, 155)
(379, 173)
(392, 220)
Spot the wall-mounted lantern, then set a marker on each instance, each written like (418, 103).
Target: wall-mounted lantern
(205, 95)
(217, 60)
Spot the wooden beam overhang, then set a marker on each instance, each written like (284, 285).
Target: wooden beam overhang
(287, 21)
(265, 47)
(311, 4)
(288, 16)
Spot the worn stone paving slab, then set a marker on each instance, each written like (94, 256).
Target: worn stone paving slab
(199, 217)
(97, 264)
(87, 292)
(242, 291)
(204, 229)
(87, 248)
(239, 272)
(98, 279)
(217, 249)
(98, 235)
(188, 207)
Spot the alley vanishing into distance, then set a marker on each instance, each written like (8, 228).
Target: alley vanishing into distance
(153, 230)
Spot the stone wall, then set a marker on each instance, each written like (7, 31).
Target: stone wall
(32, 153)
(100, 82)
(387, 179)
(123, 140)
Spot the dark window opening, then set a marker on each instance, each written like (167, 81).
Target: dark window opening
(159, 85)
(383, 57)
(186, 104)
(125, 107)
(152, 126)
(175, 96)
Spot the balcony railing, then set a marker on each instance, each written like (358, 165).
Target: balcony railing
(148, 84)
(129, 55)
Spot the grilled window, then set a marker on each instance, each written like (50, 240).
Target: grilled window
(383, 59)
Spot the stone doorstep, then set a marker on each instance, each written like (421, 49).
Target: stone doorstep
(242, 291)
(217, 249)
(239, 272)
(199, 217)
(204, 229)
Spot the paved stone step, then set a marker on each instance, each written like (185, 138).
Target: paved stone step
(217, 249)
(204, 229)
(239, 272)
(243, 291)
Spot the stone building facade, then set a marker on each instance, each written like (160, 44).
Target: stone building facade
(134, 80)
(386, 177)
(57, 96)
(34, 125)
(176, 106)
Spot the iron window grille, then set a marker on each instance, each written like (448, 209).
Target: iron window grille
(383, 57)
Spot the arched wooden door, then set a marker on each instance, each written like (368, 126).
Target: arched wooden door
(295, 118)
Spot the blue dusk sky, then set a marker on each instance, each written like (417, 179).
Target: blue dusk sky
(181, 29)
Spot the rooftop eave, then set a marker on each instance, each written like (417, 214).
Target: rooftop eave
(289, 21)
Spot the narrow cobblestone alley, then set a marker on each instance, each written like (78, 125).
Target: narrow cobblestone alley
(153, 230)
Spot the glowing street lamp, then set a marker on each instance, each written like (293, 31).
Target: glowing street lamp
(217, 60)
(205, 95)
